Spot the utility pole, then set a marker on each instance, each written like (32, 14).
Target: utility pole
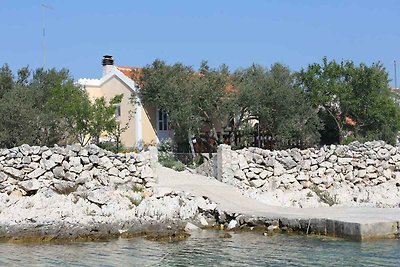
(395, 75)
(44, 8)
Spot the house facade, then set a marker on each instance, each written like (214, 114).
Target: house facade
(145, 124)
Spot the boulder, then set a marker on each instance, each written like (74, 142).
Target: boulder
(105, 162)
(84, 177)
(30, 185)
(257, 183)
(49, 164)
(306, 165)
(302, 177)
(3, 176)
(242, 162)
(64, 187)
(26, 150)
(113, 171)
(36, 173)
(191, 227)
(57, 158)
(278, 169)
(93, 149)
(15, 173)
(288, 162)
(94, 159)
(250, 175)
(232, 224)
(46, 154)
(264, 174)
(75, 161)
(239, 174)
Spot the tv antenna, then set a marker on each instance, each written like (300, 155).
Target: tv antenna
(395, 75)
(44, 8)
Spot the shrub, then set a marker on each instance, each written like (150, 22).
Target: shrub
(324, 196)
(167, 160)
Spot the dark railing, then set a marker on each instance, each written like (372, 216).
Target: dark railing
(185, 158)
(262, 139)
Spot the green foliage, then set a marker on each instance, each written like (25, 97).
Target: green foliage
(191, 99)
(281, 109)
(165, 145)
(168, 160)
(46, 107)
(324, 196)
(343, 91)
(25, 117)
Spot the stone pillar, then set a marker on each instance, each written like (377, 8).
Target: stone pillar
(224, 168)
(153, 157)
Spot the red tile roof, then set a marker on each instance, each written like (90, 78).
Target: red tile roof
(131, 72)
(134, 73)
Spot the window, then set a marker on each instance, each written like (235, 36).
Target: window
(162, 121)
(117, 111)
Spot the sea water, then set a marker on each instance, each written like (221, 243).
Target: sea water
(207, 248)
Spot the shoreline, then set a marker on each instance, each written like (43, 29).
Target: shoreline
(86, 193)
(176, 229)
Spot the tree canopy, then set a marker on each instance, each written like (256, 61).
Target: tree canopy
(190, 98)
(45, 107)
(270, 96)
(354, 102)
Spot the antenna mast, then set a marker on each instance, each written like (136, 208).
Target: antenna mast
(395, 75)
(44, 7)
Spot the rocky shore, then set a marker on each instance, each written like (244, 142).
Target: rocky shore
(88, 193)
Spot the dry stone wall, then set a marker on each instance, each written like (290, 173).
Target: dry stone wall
(28, 169)
(360, 173)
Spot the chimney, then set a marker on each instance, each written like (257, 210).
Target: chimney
(108, 64)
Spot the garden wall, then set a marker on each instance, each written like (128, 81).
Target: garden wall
(26, 169)
(357, 172)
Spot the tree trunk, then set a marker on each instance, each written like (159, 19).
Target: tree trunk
(191, 143)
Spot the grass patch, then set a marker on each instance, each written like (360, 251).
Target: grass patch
(324, 196)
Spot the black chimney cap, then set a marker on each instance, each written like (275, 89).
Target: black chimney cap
(107, 60)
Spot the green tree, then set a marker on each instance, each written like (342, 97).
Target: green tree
(212, 95)
(351, 100)
(270, 96)
(84, 120)
(45, 107)
(192, 99)
(169, 88)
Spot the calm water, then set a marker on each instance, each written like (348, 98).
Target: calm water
(207, 249)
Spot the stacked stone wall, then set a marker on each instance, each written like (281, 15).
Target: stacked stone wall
(27, 169)
(363, 173)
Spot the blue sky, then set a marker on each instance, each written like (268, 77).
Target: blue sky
(237, 33)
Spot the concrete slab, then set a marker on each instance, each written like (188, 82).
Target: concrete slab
(358, 223)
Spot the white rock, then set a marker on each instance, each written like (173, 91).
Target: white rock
(57, 158)
(202, 220)
(257, 183)
(30, 185)
(344, 160)
(36, 173)
(232, 224)
(239, 174)
(113, 171)
(146, 172)
(302, 177)
(46, 154)
(278, 169)
(190, 227)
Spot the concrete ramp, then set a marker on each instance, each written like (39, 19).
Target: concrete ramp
(359, 223)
